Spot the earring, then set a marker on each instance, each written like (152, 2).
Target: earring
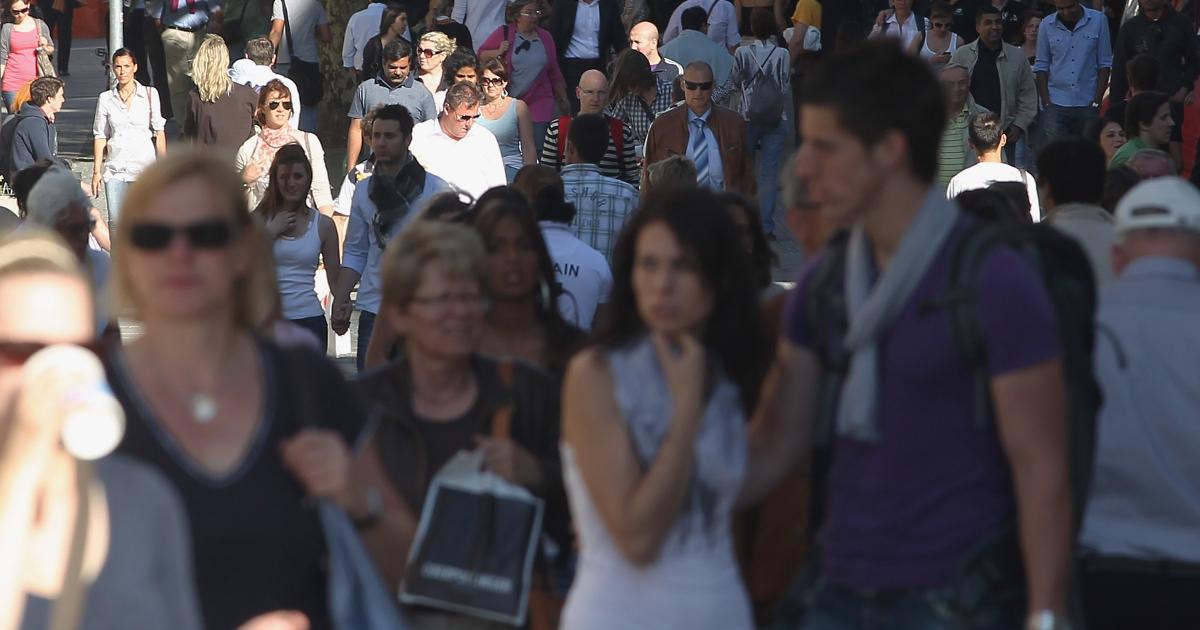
(546, 295)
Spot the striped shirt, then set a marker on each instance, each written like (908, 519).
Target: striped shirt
(952, 155)
(623, 167)
(602, 205)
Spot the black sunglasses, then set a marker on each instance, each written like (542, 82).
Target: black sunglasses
(211, 234)
(16, 353)
(20, 11)
(274, 105)
(491, 81)
(467, 117)
(692, 85)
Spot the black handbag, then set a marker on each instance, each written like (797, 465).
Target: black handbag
(306, 74)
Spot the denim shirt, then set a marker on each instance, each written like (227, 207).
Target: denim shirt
(1071, 59)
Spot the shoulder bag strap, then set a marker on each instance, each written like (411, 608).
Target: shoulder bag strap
(502, 419)
(287, 29)
(67, 613)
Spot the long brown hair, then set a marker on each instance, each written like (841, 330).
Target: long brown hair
(272, 200)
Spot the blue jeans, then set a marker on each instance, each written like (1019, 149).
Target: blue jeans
(114, 193)
(767, 142)
(9, 97)
(366, 325)
(838, 608)
(318, 326)
(1066, 122)
(309, 118)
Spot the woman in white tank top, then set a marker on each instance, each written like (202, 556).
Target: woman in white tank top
(301, 237)
(940, 42)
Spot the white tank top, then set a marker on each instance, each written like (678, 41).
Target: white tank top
(296, 259)
(927, 53)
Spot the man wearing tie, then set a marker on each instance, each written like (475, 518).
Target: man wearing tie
(712, 137)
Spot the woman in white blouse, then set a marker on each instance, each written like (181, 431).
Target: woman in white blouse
(128, 132)
(274, 119)
(902, 23)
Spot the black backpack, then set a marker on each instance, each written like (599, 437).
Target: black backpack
(1067, 276)
(7, 132)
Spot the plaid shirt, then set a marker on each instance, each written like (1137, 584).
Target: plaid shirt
(602, 205)
(633, 111)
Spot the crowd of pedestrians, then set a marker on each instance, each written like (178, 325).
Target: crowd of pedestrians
(580, 399)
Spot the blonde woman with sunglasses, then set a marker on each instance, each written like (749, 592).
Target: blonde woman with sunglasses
(276, 129)
(432, 50)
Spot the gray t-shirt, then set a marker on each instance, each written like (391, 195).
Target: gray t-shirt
(375, 92)
(146, 580)
(305, 16)
(528, 61)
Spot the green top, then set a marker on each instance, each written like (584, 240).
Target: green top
(952, 154)
(1125, 152)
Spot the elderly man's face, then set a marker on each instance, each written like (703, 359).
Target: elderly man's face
(957, 84)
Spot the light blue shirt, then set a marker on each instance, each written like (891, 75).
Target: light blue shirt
(363, 252)
(1145, 495)
(193, 17)
(1072, 59)
(716, 168)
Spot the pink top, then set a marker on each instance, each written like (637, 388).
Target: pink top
(22, 64)
(540, 96)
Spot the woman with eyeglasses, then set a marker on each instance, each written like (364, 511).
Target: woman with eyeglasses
(507, 118)
(531, 56)
(393, 25)
(274, 118)
(302, 238)
(20, 42)
(940, 41)
(249, 433)
(442, 395)
(220, 113)
(132, 567)
(461, 65)
(432, 50)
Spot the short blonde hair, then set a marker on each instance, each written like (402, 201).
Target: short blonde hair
(255, 293)
(424, 242)
(440, 41)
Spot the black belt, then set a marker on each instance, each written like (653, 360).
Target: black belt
(185, 29)
(1161, 568)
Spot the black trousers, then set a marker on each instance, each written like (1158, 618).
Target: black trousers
(1116, 599)
(61, 23)
(572, 69)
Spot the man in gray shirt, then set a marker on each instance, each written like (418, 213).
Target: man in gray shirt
(394, 86)
(1141, 530)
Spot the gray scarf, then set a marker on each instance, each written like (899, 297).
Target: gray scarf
(871, 309)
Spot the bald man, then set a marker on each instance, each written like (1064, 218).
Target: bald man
(643, 37)
(620, 158)
(712, 137)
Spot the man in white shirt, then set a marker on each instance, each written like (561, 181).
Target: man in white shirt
(382, 205)
(258, 69)
(582, 271)
(722, 22)
(602, 204)
(643, 37)
(987, 139)
(302, 24)
(362, 26)
(481, 17)
(454, 148)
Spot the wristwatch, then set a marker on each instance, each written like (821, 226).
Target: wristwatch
(1046, 620)
(374, 510)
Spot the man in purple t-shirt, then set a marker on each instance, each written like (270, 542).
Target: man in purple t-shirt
(915, 484)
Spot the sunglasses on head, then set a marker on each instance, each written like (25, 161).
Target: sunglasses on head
(14, 353)
(428, 52)
(210, 234)
(693, 86)
(274, 105)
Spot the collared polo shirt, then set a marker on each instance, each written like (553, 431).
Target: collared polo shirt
(375, 92)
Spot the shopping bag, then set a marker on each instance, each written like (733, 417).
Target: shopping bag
(475, 544)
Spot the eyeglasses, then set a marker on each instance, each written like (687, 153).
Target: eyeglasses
(20, 11)
(940, 24)
(593, 92)
(274, 105)
(210, 234)
(443, 300)
(466, 117)
(428, 52)
(16, 353)
(485, 81)
(692, 86)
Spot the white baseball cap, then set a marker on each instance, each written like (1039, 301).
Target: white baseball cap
(1162, 202)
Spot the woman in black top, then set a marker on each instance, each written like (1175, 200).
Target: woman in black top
(247, 432)
(393, 24)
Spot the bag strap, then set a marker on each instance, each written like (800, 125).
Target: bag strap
(72, 599)
(287, 29)
(763, 65)
(502, 419)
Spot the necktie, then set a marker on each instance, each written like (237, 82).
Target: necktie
(698, 152)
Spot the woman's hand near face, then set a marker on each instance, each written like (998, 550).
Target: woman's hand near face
(682, 359)
(320, 460)
(510, 460)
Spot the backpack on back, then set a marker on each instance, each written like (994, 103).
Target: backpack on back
(7, 132)
(1065, 272)
(767, 98)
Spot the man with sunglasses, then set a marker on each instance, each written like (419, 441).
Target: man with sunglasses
(712, 137)
(395, 85)
(1001, 80)
(693, 45)
(454, 148)
(382, 205)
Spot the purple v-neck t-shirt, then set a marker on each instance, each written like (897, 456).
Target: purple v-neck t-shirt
(904, 512)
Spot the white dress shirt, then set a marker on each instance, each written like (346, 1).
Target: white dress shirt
(722, 22)
(129, 132)
(472, 164)
(585, 39)
(359, 30)
(905, 32)
(481, 17)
